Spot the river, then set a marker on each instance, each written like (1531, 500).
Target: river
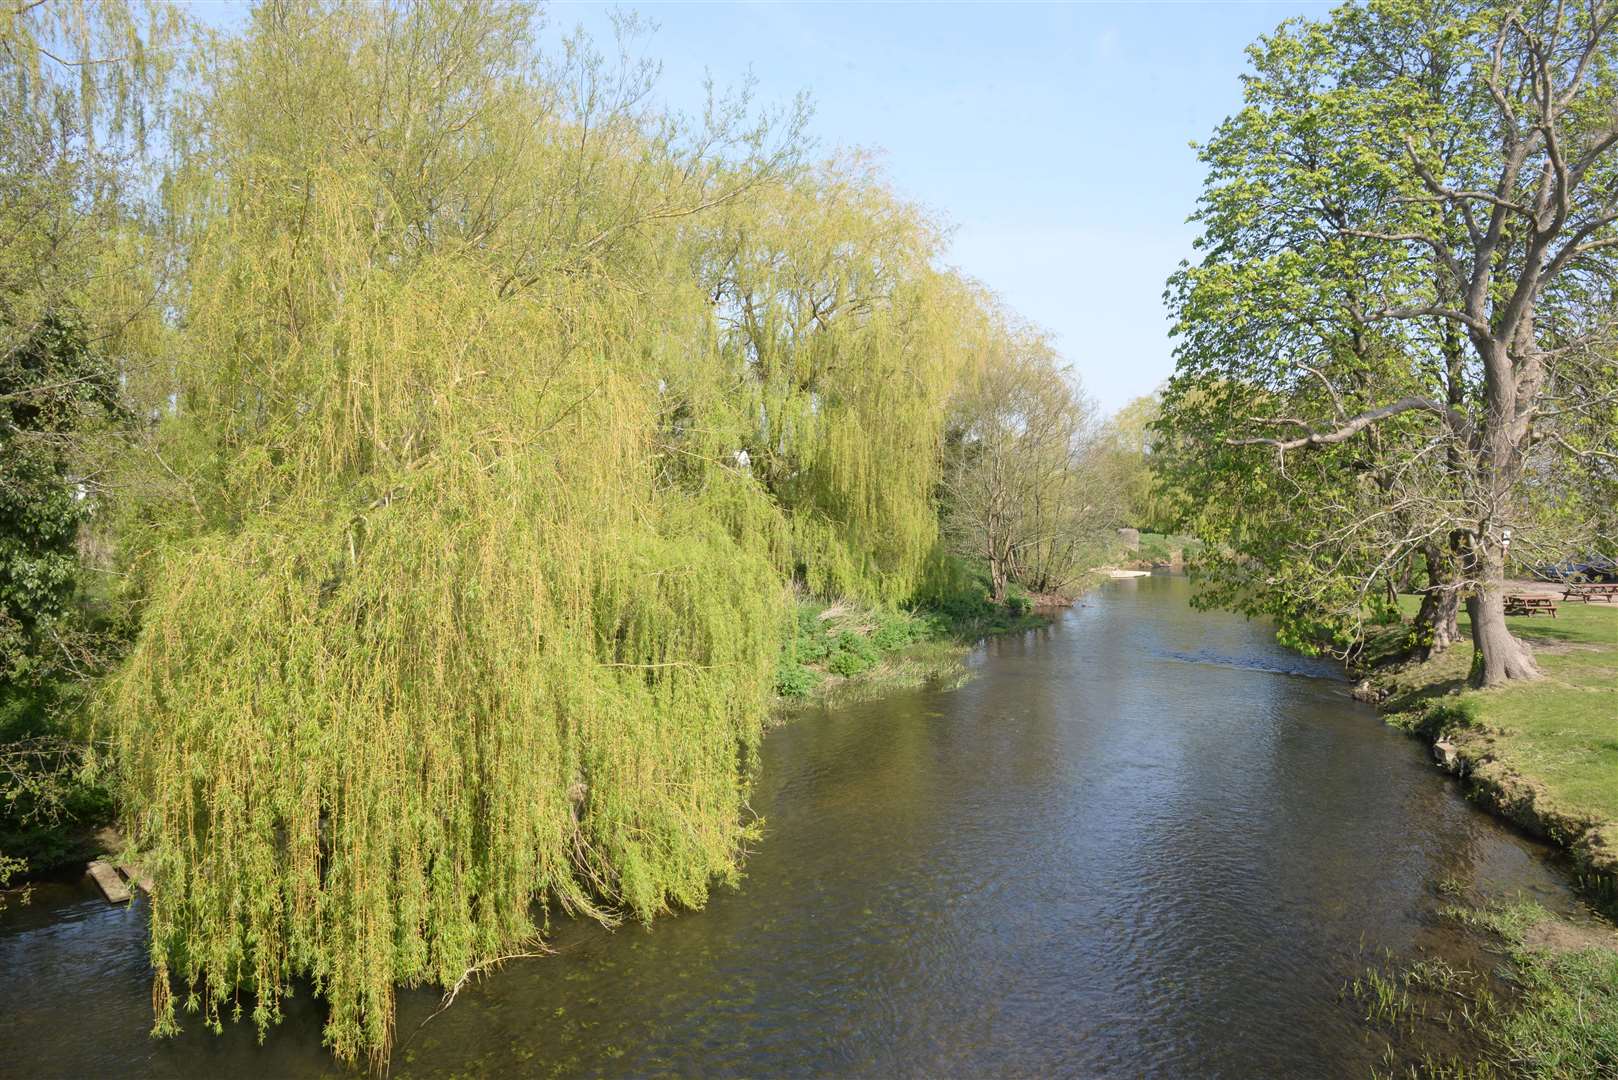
(1145, 841)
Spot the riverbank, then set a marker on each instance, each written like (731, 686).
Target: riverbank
(840, 653)
(843, 652)
(1552, 1015)
(1544, 755)
(940, 881)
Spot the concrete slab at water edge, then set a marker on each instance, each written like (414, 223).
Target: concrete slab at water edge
(112, 886)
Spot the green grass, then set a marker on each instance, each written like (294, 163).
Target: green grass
(1546, 754)
(1565, 1023)
(1561, 730)
(1550, 1012)
(847, 651)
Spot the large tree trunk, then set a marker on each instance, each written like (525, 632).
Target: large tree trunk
(1510, 382)
(1438, 621)
(1500, 657)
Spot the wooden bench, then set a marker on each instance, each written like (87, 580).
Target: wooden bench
(1517, 604)
(1592, 593)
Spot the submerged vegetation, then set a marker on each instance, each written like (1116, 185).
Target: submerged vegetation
(491, 444)
(1549, 1011)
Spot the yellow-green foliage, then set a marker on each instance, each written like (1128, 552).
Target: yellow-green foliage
(853, 346)
(465, 595)
(442, 638)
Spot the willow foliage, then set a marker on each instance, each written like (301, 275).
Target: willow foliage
(853, 345)
(504, 412)
(439, 641)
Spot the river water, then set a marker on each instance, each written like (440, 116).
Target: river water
(1143, 842)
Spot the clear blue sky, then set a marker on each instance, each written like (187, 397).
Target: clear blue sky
(1054, 136)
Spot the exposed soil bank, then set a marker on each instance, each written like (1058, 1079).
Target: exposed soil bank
(1527, 803)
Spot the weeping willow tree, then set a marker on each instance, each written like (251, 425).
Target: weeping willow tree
(848, 345)
(433, 634)
(503, 410)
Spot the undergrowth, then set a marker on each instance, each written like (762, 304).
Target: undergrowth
(846, 648)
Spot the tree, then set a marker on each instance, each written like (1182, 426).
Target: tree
(1131, 449)
(847, 345)
(51, 387)
(82, 90)
(437, 629)
(1441, 174)
(1025, 488)
(1277, 303)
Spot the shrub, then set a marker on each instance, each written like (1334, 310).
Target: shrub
(896, 630)
(811, 648)
(793, 680)
(957, 589)
(855, 654)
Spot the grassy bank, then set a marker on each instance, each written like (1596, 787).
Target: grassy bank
(1549, 1011)
(844, 651)
(1544, 754)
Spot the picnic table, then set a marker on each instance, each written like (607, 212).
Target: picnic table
(1592, 592)
(1520, 604)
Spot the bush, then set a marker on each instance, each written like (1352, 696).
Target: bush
(1018, 602)
(793, 680)
(956, 589)
(809, 642)
(896, 630)
(46, 802)
(811, 648)
(855, 655)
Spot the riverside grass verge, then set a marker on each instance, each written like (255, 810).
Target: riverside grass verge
(1549, 1012)
(844, 651)
(1542, 754)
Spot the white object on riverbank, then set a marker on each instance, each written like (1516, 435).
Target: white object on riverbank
(1129, 573)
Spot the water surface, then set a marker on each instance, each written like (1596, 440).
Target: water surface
(1143, 842)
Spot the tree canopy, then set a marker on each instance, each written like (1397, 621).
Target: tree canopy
(1407, 245)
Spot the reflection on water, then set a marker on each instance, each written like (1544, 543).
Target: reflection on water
(1145, 841)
